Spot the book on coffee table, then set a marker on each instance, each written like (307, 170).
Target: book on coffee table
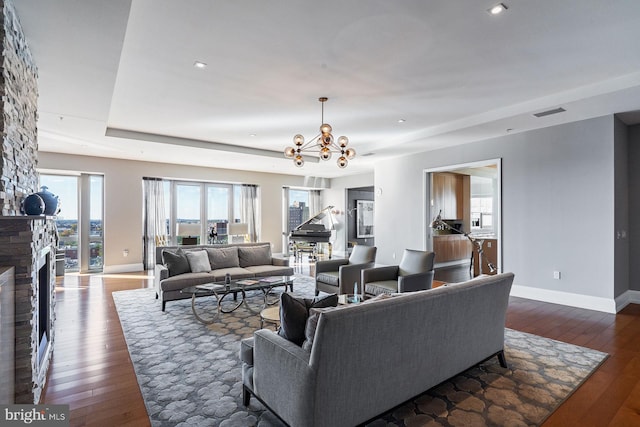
(271, 279)
(246, 282)
(209, 286)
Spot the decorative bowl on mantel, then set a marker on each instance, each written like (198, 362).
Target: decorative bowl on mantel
(33, 205)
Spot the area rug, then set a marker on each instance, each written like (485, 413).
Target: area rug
(189, 373)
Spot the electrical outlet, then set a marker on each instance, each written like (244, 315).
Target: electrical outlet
(393, 256)
(488, 244)
(125, 253)
(556, 275)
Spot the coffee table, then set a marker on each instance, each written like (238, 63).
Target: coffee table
(221, 290)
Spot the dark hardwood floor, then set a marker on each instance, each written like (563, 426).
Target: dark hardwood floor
(91, 370)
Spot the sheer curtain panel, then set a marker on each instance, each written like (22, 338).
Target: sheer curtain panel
(155, 220)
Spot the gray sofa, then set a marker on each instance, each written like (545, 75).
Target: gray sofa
(240, 260)
(367, 358)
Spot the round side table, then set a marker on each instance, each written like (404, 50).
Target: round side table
(270, 315)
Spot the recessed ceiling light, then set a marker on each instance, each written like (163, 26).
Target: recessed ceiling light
(252, 135)
(401, 120)
(497, 9)
(200, 64)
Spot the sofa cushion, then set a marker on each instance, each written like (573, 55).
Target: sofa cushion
(295, 311)
(223, 257)
(254, 255)
(198, 261)
(314, 317)
(175, 261)
(329, 277)
(176, 283)
(235, 272)
(270, 270)
(382, 287)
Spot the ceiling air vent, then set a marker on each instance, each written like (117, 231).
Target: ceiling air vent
(550, 112)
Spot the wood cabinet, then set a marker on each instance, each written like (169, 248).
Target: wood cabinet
(447, 195)
(451, 247)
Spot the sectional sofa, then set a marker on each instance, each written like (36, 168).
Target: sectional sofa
(178, 267)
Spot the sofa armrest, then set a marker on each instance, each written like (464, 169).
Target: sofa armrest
(350, 274)
(282, 377)
(330, 265)
(415, 282)
(246, 350)
(159, 274)
(281, 262)
(378, 274)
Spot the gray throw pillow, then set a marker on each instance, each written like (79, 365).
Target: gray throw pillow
(295, 311)
(223, 257)
(175, 261)
(254, 255)
(198, 261)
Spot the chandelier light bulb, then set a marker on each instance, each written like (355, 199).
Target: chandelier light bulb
(350, 153)
(342, 162)
(298, 140)
(325, 129)
(327, 140)
(343, 141)
(298, 161)
(325, 153)
(289, 152)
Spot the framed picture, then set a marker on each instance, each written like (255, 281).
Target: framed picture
(364, 222)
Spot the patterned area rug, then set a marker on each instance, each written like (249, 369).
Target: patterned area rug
(189, 373)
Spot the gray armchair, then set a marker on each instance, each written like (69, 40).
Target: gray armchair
(339, 275)
(415, 273)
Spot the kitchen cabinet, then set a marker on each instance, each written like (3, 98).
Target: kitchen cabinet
(451, 247)
(448, 195)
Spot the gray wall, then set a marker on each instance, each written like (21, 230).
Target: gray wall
(621, 209)
(634, 207)
(557, 204)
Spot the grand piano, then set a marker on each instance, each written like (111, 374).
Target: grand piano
(314, 231)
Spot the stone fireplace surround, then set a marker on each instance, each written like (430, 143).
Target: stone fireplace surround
(27, 242)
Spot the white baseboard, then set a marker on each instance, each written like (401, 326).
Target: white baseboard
(122, 268)
(565, 298)
(629, 297)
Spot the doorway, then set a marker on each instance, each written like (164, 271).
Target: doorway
(468, 199)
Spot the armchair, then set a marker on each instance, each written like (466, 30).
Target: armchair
(415, 273)
(339, 275)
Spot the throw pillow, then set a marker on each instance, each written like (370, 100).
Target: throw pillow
(223, 257)
(295, 311)
(175, 261)
(198, 261)
(254, 255)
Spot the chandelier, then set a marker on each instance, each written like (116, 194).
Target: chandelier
(323, 144)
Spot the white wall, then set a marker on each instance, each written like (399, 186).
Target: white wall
(123, 199)
(557, 208)
(337, 196)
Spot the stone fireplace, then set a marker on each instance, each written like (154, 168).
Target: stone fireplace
(27, 243)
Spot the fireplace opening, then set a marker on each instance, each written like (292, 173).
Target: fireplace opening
(44, 301)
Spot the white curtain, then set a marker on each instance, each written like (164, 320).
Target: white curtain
(155, 220)
(314, 202)
(249, 210)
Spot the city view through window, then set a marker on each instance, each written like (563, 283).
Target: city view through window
(66, 188)
(298, 208)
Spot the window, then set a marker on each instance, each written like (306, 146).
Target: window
(298, 208)
(80, 221)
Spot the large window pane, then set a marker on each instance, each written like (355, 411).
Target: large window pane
(298, 207)
(66, 188)
(218, 199)
(188, 229)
